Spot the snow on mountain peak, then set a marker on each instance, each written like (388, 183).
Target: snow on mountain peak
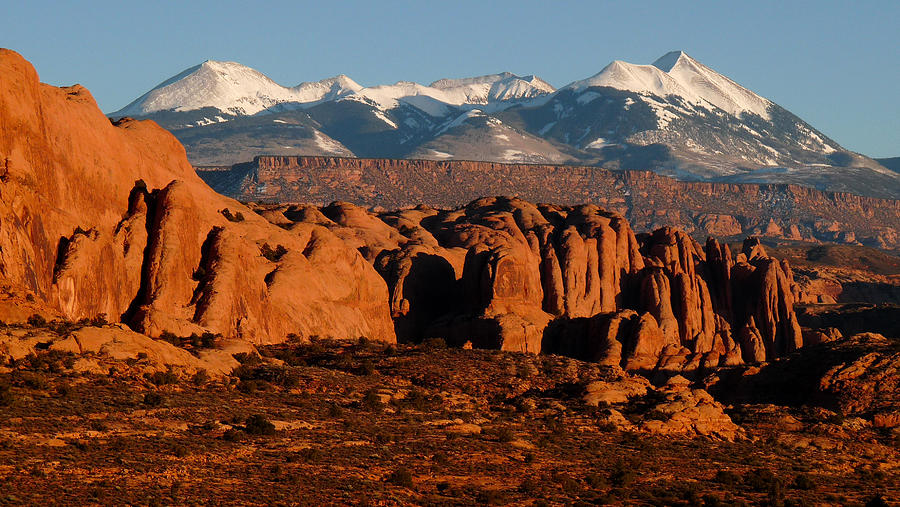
(495, 87)
(712, 86)
(676, 73)
(231, 88)
(636, 78)
(668, 60)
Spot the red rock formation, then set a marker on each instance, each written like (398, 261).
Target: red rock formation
(506, 273)
(102, 218)
(111, 218)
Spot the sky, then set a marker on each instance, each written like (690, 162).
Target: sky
(835, 64)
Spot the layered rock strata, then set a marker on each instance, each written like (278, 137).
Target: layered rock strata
(647, 199)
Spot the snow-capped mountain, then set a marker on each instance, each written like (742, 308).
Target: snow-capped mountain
(496, 87)
(675, 116)
(233, 89)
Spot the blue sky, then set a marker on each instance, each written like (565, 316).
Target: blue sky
(834, 64)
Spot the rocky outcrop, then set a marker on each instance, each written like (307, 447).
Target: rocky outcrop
(505, 273)
(672, 409)
(109, 218)
(649, 200)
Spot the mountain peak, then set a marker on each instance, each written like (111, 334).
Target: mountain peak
(667, 61)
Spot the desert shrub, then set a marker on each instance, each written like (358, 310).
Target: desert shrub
(99, 320)
(259, 425)
(876, 501)
(433, 344)
(7, 398)
(368, 367)
(727, 477)
(505, 434)
(33, 380)
(250, 386)
(273, 254)
(596, 481)
(531, 487)
(418, 400)
(310, 454)
(153, 399)
(37, 320)
(232, 217)
(567, 483)
(208, 340)
(53, 361)
(401, 477)
(247, 358)
(621, 474)
(168, 336)
(491, 497)
(200, 378)
(161, 378)
(804, 481)
(335, 411)
(761, 480)
(232, 435)
(371, 400)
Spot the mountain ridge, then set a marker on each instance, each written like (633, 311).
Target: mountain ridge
(676, 116)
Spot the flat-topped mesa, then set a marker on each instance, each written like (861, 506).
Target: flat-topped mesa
(648, 199)
(109, 218)
(504, 273)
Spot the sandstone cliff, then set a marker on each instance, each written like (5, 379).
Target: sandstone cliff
(111, 218)
(646, 199)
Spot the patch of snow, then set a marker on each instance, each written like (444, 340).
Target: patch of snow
(278, 121)
(440, 154)
(513, 155)
(329, 145)
(459, 120)
(546, 128)
(587, 97)
(380, 115)
(596, 144)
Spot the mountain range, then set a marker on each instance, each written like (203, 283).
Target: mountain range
(676, 117)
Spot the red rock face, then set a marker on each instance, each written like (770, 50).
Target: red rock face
(505, 273)
(102, 218)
